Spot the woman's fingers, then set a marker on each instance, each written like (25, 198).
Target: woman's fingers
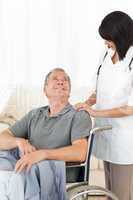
(79, 106)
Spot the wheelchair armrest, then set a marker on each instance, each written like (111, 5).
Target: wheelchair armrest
(75, 164)
(96, 130)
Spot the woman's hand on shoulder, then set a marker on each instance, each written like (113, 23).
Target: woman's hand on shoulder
(80, 106)
(87, 108)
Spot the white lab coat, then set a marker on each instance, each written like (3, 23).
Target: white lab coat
(115, 89)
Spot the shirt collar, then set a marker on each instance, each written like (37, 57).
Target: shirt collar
(129, 53)
(63, 111)
(125, 62)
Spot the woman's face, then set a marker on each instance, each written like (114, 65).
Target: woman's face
(110, 44)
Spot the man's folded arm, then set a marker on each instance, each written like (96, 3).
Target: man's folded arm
(7, 140)
(72, 153)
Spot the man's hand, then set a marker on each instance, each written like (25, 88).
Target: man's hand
(24, 146)
(28, 160)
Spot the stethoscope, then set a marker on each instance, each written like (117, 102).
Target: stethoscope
(99, 68)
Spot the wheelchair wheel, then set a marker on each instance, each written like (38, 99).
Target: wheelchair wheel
(81, 191)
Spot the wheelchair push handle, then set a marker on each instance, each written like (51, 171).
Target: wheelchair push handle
(96, 130)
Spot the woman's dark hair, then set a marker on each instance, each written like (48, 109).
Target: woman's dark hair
(118, 28)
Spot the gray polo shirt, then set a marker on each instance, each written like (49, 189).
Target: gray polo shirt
(52, 132)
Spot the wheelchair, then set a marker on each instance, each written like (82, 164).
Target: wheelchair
(80, 189)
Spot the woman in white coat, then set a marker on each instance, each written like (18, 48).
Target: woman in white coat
(113, 99)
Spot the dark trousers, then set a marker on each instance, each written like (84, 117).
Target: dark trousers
(119, 180)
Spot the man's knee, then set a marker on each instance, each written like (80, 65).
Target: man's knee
(7, 160)
(52, 163)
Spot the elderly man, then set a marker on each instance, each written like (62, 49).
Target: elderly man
(36, 146)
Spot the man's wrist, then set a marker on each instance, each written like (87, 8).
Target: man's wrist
(45, 154)
(17, 141)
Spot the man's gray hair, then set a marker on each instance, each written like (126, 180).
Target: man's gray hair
(53, 70)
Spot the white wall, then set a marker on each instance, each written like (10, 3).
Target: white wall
(37, 35)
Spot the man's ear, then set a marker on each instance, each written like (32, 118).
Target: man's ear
(45, 91)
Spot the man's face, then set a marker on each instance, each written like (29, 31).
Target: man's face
(57, 85)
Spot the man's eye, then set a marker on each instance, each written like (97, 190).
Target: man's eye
(65, 79)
